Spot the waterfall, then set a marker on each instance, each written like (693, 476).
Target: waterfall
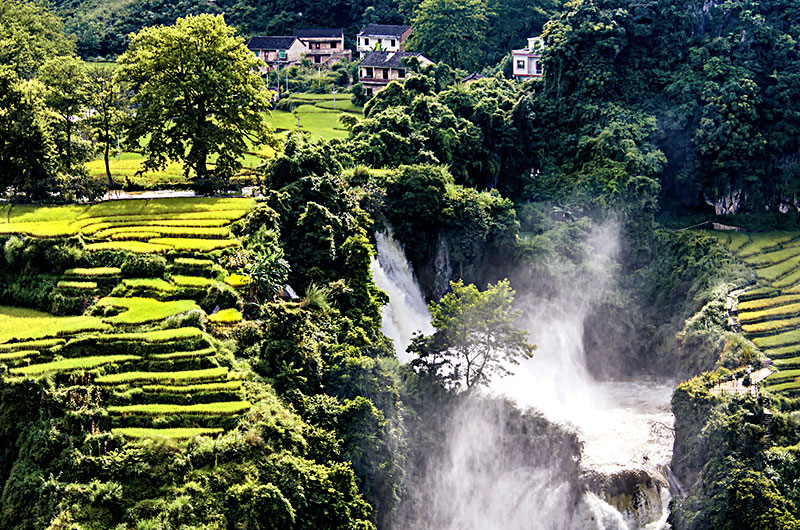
(624, 427)
(406, 312)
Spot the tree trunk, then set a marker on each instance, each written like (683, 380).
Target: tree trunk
(105, 156)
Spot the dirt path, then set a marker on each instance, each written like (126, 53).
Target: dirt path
(736, 386)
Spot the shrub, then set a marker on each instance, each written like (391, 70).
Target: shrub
(195, 318)
(221, 296)
(144, 266)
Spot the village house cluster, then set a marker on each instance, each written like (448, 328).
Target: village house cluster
(380, 49)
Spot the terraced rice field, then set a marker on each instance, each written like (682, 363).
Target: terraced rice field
(168, 383)
(770, 312)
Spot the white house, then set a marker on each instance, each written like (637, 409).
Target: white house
(381, 37)
(527, 61)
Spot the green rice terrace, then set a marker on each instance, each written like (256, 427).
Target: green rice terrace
(769, 312)
(134, 345)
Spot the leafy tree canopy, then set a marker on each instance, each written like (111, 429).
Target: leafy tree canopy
(476, 337)
(198, 95)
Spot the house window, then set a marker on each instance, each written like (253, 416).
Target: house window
(386, 73)
(334, 44)
(537, 68)
(367, 72)
(401, 73)
(393, 43)
(317, 59)
(521, 64)
(366, 42)
(282, 54)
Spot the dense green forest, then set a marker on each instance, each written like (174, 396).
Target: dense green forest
(220, 362)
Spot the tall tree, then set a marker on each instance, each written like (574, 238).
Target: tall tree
(451, 31)
(27, 153)
(67, 96)
(29, 34)
(108, 112)
(198, 95)
(475, 338)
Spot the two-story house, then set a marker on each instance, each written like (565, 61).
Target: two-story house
(381, 37)
(526, 63)
(378, 69)
(324, 46)
(276, 51)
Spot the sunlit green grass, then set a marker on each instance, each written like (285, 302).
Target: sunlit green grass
(194, 354)
(771, 301)
(163, 377)
(226, 316)
(176, 433)
(68, 365)
(227, 386)
(138, 310)
(21, 324)
(319, 122)
(223, 408)
(770, 313)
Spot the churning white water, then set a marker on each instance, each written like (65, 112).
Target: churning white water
(625, 426)
(406, 312)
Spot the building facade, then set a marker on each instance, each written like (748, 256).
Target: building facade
(378, 69)
(381, 37)
(276, 51)
(526, 62)
(323, 46)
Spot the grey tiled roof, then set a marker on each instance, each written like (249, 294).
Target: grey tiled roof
(384, 29)
(270, 43)
(387, 59)
(319, 33)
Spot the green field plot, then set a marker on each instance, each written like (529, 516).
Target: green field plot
(192, 281)
(787, 338)
(176, 434)
(773, 258)
(138, 310)
(153, 337)
(779, 270)
(191, 354)
(97, 272)
(227, 386)
(56, 221)
(315, 120)
(783, 352)
(757, 304)
(787, 363)
(772, 326)
(68, 365)
(237, 281)
(18, 355)
(781, 311)
(208, 232)
(222, 408)
(226, 316)
(163, 377)
(194, 263)
(787, 387)
(138, 247)
(788, 282)
(77, 286)
(782, 376)
(153, 285)
(766, 241)
(194, 245)
(20, 324)
(44, 344)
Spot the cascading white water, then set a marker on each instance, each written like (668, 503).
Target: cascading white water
(406, 312)
(624, 426)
